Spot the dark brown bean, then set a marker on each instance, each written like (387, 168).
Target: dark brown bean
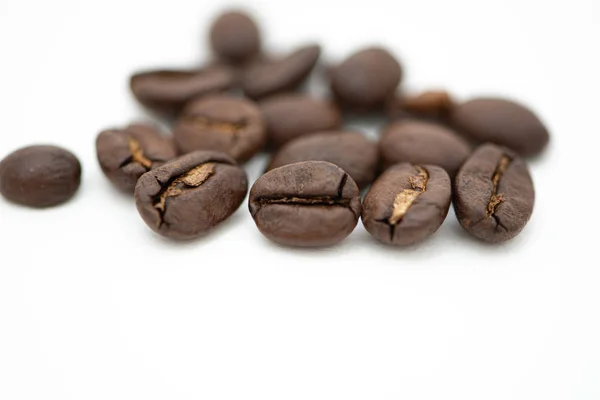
(289, 116)
(126, 154)
(167, 91)
(307, 204)
(351, 151)
(407, 204)
(502, 122)
(189, 196)
(419, 143)
(267, 78)
(234, 37)
(493, 194)
(366, 80)
(222, 123)
(434, 106)
(39, 176)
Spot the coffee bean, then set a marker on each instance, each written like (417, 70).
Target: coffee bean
(167, 91)
(289, 116)
(307, 204)
(126, 154)
(189, 196)
(39, 176)
(280, 75)
(227, 124)
(234, 37)
(350, 151)
(434, 106)
(493, 194)
(502, 122)
(366, 80)
(407, 204)
(418, 142)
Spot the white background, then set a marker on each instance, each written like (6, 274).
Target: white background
(93, 305)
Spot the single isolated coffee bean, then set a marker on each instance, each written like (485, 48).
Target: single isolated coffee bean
(351, 151)
(289, 116)
(126, 154)
(407, 204)
(434, 106)
(189, 196)
(235, 37)
(502, 122)
(167, 91)
(493, 194)
(39, 176)
(307, 204)
(418, 142)
(222, 123)
(366, 80)
(267, 78)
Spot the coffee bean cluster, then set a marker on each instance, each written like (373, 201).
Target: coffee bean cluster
(433, 152)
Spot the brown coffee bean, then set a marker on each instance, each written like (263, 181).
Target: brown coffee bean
(407, 204)
(126, 154)
(280, 75)
(39, 176)
(350, 151)
(307, 204)
(289, 116)
(222, 123)
(493, 194)
(167, 91)
(502, 122)
(366, 80)
(419, 143)
(189, 196)
(234, 37)
(434, 106)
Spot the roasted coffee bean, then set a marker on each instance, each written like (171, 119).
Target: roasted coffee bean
(434, 106)
(280, 75)
(289, 116)
(350, 151)
(126, 154)
(366, 80)
(167, 91)
(418, 142)
(234, 37)
(227, 124)
(502, 122)
(407, 204)
(307, 204)
(39, 176)
(493, 194)
(189, 196)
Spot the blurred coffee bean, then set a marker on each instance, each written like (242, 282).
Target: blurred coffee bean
(222, 123)
(502, 122)
(351, 151)
(434, 106)
(289, 116)
(266, 78)
(235, 37)
(167, 91)
(419, 143)
(366, 80)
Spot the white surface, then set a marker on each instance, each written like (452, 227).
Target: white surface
(95, 306)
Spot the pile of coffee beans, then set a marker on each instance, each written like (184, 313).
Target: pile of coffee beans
(434, 150)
